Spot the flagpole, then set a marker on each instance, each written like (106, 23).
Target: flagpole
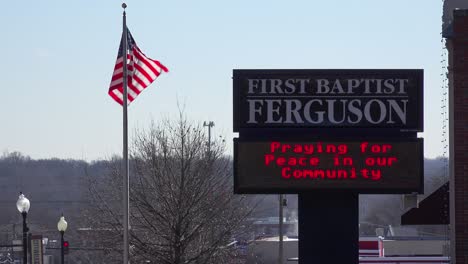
(125, 142)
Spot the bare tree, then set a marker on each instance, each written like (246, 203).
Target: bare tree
(182, 205)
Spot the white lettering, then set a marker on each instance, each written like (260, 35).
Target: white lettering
(322, 86)
(253, 110)
(367, 111)
(273, 111)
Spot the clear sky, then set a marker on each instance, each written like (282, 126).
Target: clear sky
(58, 58)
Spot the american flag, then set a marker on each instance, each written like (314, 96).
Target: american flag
(141, 72)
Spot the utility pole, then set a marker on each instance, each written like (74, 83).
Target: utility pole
(209, 124)
(280, 245)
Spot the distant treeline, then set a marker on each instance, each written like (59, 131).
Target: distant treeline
(57, 186)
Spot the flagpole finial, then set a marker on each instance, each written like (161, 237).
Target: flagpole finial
(124, 5)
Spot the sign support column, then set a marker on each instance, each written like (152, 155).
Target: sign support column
(328, 228)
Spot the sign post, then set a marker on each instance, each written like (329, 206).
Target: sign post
(328, 228)
(328, 135)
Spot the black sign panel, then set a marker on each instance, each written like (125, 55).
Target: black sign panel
(356, 99)
(364, 166)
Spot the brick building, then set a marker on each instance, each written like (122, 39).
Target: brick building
(456, 34)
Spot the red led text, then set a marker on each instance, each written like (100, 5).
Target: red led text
(330, 161)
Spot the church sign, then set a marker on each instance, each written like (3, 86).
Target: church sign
(355, 99)
(358, 165)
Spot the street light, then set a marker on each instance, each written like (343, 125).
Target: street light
(62, 227)
(209, 124)
(23, 207)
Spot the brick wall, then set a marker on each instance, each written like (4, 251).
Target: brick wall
(458, 55)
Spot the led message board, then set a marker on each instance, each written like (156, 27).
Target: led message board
(356, 99)
(364, 166)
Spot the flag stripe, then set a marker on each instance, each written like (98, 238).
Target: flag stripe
(141, 72)
(160, 65)
(146, 66)
(117, 95)
(138, 82)
(117, 76)
(135, 91)
(144, 74)
(149, 64)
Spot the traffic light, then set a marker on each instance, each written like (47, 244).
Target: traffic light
(66, 247)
